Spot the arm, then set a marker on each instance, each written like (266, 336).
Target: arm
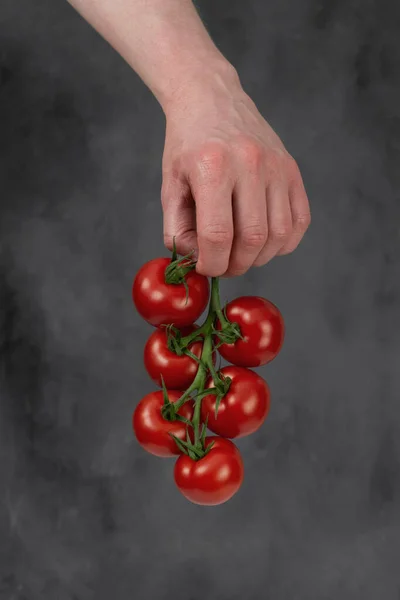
(230, 189)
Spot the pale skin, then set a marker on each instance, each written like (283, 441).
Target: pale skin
(231, 191)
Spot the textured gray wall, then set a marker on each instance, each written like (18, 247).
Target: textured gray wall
(84, 513)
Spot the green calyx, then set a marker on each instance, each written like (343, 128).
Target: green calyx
(169, 410)
(174, 338)
(222, 385)
(175, 273)
(195, 450)
(229, 333)
(178, 344)
(177, 270)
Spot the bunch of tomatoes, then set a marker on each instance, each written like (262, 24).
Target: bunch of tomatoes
(195, 395)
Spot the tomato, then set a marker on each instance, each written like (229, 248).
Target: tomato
(213, 479)
(262, 328)
(243, 409)
(178, 372)
(161, 303)
(152, 430)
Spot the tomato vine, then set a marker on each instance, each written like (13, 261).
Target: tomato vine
(231, 402)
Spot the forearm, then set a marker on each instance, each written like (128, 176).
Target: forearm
(164, 41)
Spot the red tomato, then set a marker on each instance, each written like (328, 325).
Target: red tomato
(243, 409)
(160, 303)
(152, 430)
(213, 479)
(178, 372)
(262, 327)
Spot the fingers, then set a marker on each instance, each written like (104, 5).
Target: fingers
(212, 185)
(235, 217)
(179, 215)
(288, 213)
(279, 222)
(300, 209)
(249, 215)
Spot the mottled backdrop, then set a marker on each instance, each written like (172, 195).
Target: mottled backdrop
(85, 514)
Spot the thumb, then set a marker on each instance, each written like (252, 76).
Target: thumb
(179, 216)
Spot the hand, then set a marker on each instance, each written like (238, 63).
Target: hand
(230, 189)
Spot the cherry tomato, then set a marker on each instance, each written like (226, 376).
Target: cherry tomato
(160, 303)
(213, 479)
(262, 328)
(178, 372)
(152, 430)
(243, 409)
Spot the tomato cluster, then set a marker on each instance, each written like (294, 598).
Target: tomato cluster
(195, 395)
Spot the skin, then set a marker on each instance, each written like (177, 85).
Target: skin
(230, 189)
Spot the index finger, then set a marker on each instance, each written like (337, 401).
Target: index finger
(212, 191)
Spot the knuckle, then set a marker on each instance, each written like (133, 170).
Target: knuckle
(303, 221)
(280, 232)
(292, 165)
(274, 164)
(253, 236)
(252, 153)
(172, 167)
(211, 162)
(219, 237)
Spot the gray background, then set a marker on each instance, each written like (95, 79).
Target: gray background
(84, 512)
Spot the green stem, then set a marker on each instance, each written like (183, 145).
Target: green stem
(202, 330)
(192, 356)
(206, 364)
(212, 370)
(174, 252)
(196, 420)
(229, 332)
(216, 300)
(201, 376)
(213, 312)
(202, 373)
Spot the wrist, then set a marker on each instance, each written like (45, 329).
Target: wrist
(191, 83)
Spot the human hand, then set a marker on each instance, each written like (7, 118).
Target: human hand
(230, 189)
